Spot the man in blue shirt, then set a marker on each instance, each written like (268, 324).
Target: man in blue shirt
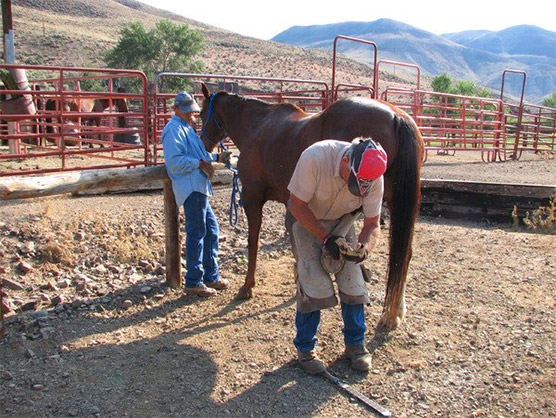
(189, 166)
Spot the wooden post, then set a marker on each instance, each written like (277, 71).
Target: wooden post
(2, 332)
(173, 237)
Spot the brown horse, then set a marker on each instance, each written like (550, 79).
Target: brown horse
(86, 106)
(271, 137)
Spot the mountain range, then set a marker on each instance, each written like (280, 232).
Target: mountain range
(480, 56)
(78, 32)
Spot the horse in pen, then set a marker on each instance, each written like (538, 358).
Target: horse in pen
(92, 110)
(271, 137)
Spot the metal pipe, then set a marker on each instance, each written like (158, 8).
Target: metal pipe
(375, 56)
(520, 112)
(7, 23)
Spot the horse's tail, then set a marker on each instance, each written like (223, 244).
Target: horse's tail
(405, 173)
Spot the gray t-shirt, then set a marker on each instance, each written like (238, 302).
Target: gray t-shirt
(316, 180)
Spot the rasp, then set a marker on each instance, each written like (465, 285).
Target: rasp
(358, 395)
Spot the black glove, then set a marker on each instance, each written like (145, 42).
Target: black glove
(207, 168)
(331, 245)
(224, 157)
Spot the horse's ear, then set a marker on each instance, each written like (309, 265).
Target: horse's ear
(205, 90)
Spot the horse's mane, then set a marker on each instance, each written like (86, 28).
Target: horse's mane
(285, 107)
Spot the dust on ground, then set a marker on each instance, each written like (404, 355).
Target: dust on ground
(102, 335)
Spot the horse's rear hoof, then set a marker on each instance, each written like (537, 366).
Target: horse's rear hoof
(244, 293)
(389, 322)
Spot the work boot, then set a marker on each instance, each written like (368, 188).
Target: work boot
(360, 357)
(310, 363)
(201, 290)
(219, 284)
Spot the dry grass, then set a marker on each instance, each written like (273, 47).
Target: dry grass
(543, 219)
(116, 242)
(128, 246)
(54, 252)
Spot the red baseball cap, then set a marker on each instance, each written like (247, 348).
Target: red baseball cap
(368, 161)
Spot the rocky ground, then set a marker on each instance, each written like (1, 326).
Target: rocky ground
(91, 328)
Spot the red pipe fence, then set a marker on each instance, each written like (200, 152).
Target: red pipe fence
(87, 118)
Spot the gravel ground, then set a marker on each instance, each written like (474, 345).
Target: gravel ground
(467, 165)
(94, 331)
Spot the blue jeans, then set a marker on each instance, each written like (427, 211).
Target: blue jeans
(307, 325)
(201, 241)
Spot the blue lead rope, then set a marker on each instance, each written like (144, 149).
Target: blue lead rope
(235, 199)
(234, 202)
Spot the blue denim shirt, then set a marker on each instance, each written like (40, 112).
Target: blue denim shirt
(183, 149)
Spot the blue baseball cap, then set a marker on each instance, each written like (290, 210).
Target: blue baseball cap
(186, 103)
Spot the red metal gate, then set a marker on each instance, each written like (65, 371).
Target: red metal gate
(529, 127)
(347, 88)
(450, 122)
(84, 118)
(310, 95)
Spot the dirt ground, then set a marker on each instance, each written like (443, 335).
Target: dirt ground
(95, 331)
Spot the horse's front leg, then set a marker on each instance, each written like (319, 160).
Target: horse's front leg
(254, 210)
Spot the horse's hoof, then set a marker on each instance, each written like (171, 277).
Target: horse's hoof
(389, 322)
(245, 293)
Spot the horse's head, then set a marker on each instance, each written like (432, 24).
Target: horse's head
(70, 105)
(213, 130)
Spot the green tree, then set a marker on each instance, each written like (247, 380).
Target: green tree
(166, 47)
(468, 88)
(550, 101)
(483, 93)
(442, 83)
(465, 88)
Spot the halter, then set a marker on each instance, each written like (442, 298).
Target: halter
(215, 118)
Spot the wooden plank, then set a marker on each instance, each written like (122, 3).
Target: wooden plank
(37, 186)
(500, 189)
(221, 177)
(92, 181)
(474, 201)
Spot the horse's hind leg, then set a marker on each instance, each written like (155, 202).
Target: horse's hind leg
(253, 207)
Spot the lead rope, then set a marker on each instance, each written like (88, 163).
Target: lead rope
(235, 199)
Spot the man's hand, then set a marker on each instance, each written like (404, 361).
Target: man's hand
(334, 245)
(358, 255)
(207, 168)
(224, 157)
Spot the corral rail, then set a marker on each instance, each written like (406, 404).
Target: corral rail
(81, 118)
(89, 118)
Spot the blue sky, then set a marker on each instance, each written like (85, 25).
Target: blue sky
(261, 19)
